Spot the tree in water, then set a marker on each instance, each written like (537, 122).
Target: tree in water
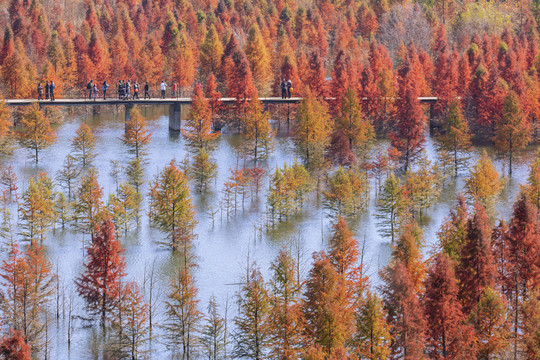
(99, 284)
(391, 207)
(5, 129)
(513, 132)
(372, 337)
(124, 207)
(13, 346)
(448, 334)
(171, 209)
(214, 332)
(483, 183)
(456, 137)
(285, 316)
(257, 131)
(348, 193)
(137, 136)
(88, 210)
(36, 133)
(83, 146)
(252, 337)
(37, 209)
(312, 131)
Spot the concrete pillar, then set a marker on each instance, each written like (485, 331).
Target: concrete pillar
(175, 116)
(127, 114)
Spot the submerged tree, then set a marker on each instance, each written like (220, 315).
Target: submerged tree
(483, 183)
(99, 285)
(456, 137)
(348, 192)
(391, 207)
(83, 146)
(36, 133)
(171, 209)
(137, 136)
(88, 209)
(257, 131)
(213, 333)
(37, 209)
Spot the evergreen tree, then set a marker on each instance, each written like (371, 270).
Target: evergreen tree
(203, 170)
(391, 207)
(124, 207)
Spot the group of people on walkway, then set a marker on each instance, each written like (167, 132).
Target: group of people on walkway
(286, 89)
(127, 90)
(49, 91)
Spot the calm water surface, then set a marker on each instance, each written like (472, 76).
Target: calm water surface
(223, 246)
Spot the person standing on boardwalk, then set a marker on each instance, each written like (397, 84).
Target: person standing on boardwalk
(136, 90)
(163, 89)
(289, 88)
(39, 92)
(128, 90)
(89, 88)
(174, 89)
(283, 89)
(47, 88)
(104, 88)
(146, 90)
(94, 91)
(51, 89)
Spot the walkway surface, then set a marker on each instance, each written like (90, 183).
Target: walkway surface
(156, 101)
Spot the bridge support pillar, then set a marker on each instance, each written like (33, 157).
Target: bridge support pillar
(127, 114)
(175, 116)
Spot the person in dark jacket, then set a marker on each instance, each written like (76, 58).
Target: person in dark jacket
(51, 89)
(283, 89)
(104, 88)
(39, 92)
(89, 87)
(47, 88)
(146, 90)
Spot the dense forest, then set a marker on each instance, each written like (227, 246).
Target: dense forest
(360, 67)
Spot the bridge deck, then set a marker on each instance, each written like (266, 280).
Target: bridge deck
(157, 101)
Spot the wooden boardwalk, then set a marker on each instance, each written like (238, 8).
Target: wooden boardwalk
(156, 101)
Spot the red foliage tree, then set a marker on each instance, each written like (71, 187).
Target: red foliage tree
(448, 335)
(14, 346)
(99, 285)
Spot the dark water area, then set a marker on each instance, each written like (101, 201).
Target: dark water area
(223, 246)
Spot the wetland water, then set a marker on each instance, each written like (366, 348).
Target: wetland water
(223, 245)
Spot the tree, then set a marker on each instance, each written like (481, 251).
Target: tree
(83, 145)
(448, 335)
(513, 132)
(99, 285)
(198, 128)
(391, 207)
(476, 268)
(531, 326)
(259, 58)
(185, 64)
(68, 174)
(329, 321)
(490, 324)
(171, 209)
(5, 128)
(131, 322)
(285, 316)
(454, 230)
(14, 346)
(36, 133)
(483, 183)
(37, 209)
(423, 186)
(88, 209)
(252, 337)
(27, 280)
(210, 53)
(257, 131)
(348, 193)
(408, 251)
(137, 136)
(456, 137)
(312, 130)
(124, 207)
(203, 170)
(183, 317)
(372, 337)
(404, 313)
(408, 129)
(213, 337)
(353, 123)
